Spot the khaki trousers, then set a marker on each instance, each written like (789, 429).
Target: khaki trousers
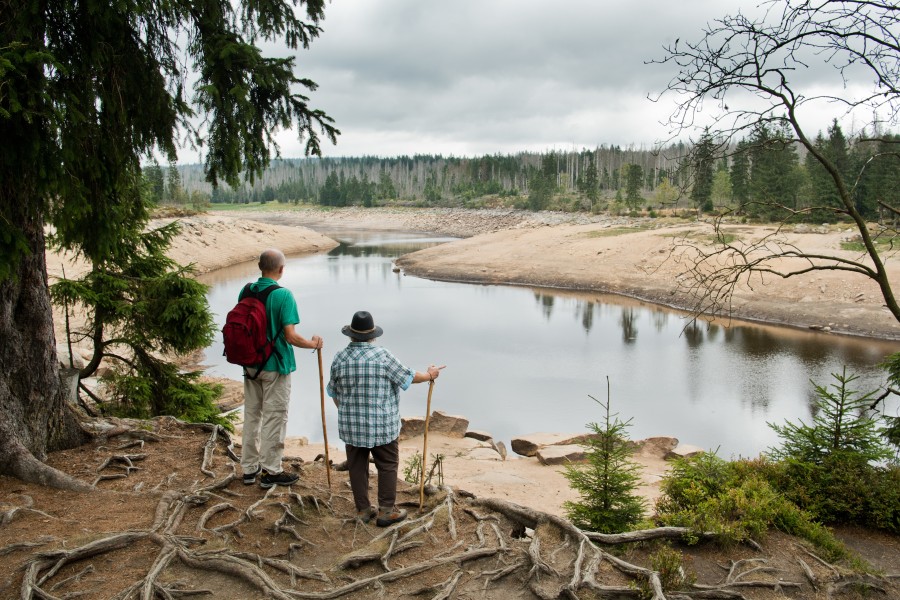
(266, 401)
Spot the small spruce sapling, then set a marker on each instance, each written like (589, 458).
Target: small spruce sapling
(607, 482)
(843, 424)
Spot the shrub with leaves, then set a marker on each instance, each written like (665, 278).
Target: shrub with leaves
(837, 468)
(735, 501)
(607, 482)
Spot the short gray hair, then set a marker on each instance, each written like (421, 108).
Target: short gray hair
(271, 260)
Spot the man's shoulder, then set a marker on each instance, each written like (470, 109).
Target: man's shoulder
(282, 293)
(361, 352)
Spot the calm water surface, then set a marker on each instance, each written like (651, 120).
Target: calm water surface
(521, 360)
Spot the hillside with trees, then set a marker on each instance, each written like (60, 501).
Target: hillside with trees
(749, 177)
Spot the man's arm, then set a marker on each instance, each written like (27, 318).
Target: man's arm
(295, 339)
(430, 374)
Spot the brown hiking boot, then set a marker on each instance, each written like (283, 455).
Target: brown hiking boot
(366, 515)
(389, 516)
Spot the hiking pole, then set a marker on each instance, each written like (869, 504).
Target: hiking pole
(324, 430)
(425, 447)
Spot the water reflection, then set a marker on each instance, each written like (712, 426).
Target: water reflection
(628, 321)
(546, 303)
(524, 360)
(660, 319)
(587, 315)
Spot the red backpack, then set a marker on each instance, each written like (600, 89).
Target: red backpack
(246, 330)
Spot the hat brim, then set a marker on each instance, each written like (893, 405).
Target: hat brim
(362, 337)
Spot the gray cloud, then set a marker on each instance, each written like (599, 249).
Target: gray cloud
(472, 77)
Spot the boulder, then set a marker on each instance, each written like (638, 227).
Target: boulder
(481, 436)
(453, 426)
(529, 444)
(684, 451)
(655, 447)
(62, 355)
(561, 455)
(410, 427)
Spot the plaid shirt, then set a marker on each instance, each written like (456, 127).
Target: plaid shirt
(366, 381)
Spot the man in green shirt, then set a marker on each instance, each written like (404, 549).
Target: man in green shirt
(267, 397)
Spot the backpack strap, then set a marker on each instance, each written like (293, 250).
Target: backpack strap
(262, 296)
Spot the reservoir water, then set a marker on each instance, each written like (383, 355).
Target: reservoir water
(521, 360)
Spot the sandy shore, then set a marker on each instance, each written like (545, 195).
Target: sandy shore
(620, 255)
(570, 251)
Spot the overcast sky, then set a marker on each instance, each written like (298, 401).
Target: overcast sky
(474, 77)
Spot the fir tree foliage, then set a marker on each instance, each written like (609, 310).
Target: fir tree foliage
(843, 424)
(703, 161)
(607, 482)
(89, 90)
(139, 309)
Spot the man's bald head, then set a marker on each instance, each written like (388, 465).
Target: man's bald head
(271, 262)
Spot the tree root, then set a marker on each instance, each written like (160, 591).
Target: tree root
(461, 549)
(397, 574)
(7, 516)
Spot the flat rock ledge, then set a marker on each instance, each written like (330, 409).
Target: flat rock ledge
(529, 444)
(561, 454)
(562, 448)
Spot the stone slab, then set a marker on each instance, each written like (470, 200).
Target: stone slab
(481, 436)
(561, 455)
(410, 427)
(454, 426)
(529, 444)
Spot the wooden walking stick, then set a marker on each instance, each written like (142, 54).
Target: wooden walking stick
(324, 429)
(425, 446)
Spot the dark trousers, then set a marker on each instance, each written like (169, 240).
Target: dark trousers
(387, 460)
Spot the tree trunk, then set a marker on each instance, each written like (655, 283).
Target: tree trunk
(35, 417)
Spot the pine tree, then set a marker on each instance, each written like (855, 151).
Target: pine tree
(702, 165)
(843, 423)
(88, 92)
(634, 177)
(607, 482)
(740, 176)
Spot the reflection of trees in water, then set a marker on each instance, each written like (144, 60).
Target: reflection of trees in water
(628, 321)
(587, 315)
(659, 318)
(387, 250)
(546, 303)
(693, 334)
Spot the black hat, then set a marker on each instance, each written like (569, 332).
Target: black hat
(362, 328)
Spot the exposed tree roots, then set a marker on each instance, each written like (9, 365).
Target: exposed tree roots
(459, 546)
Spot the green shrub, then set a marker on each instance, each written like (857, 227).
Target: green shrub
(843, 489)
(735, 501)
(160, 389)
(836, 468)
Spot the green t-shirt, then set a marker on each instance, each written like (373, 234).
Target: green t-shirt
(282, 310)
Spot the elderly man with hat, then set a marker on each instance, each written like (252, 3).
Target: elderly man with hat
(365, 384)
